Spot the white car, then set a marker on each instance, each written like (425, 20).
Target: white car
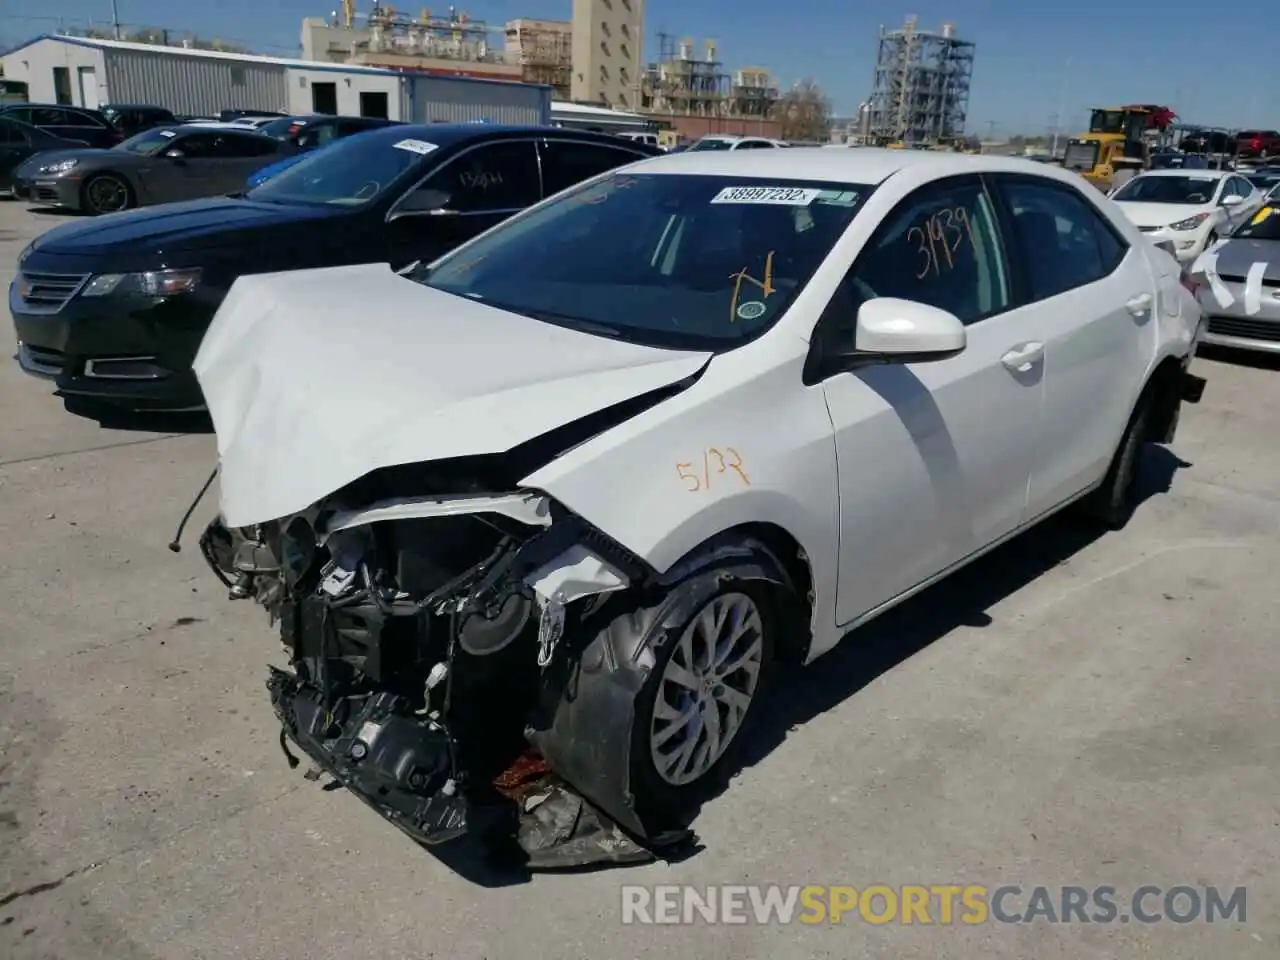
(580, 484)
(1191, 209)
(725, 142)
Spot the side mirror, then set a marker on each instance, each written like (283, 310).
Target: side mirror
(905, 330)
(1232, 200)
(425, 203)
(174, 154)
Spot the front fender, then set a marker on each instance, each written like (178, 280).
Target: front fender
(748, 443)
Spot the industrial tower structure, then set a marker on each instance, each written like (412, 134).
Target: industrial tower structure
(682, 84)
(921, 90)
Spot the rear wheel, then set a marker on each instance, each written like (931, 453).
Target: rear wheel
(1113, 503)
(107, 193)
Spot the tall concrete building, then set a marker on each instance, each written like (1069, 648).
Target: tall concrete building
(608, 37)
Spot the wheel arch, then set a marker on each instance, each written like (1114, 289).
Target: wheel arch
(124, 178)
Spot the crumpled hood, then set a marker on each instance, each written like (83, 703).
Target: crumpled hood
(1160, 214)
(315, 378)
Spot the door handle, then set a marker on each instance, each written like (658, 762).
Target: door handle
(1139, 304)
(1022, 357)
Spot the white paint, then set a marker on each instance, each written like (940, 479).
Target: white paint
(34, 65)
(888, 478)
(347, 87)
(416, 146)
(1210, 217)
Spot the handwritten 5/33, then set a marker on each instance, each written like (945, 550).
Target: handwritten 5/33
(724, 463)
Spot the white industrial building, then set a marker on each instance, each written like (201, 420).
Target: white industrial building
(91, 73)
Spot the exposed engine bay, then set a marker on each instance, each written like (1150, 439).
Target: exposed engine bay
(435, 653)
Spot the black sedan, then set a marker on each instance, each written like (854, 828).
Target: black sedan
(162, 165)
(113, 310)
(19, 142)
(308, 132)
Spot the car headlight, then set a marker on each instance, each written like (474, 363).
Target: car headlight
(1190, 223)
(152, 283)
(60, 166)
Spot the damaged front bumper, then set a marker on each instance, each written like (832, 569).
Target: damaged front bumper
(417, 671)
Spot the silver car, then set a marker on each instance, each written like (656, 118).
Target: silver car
(1245, 324)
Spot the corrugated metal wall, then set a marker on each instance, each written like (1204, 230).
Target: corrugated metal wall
(451, 100)
(189, 84)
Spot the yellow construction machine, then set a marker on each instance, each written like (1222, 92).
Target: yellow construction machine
(1118, 138)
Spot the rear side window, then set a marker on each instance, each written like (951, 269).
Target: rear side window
(565, 163)
(1065, 243)
(237, 146)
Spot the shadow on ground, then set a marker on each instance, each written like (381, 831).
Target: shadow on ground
(1240, 358)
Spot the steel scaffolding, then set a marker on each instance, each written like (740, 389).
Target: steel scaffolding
(921, 90)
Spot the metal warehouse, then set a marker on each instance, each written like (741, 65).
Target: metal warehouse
(91, 73)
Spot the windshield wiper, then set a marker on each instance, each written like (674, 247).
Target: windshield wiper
(573, 323)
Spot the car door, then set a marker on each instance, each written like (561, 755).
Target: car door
(566, 163)
(933, 458)
(1241, 212)
(474, 190)
(1089, 299)
(185, 169)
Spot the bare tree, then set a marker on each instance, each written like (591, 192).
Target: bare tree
(804, 112)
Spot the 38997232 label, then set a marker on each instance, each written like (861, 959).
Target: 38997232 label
(781, 196)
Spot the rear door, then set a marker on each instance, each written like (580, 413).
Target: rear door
(1091, 300)
(473, 191)
(566, 163)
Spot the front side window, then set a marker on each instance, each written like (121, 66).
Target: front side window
(941, 247)
(492, 178)
(673, 260)
(1192, 191)
(1063, 240)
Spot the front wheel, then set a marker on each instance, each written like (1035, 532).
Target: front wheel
(107, 193)
(706, 680)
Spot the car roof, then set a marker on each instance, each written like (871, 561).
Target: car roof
(1199, 174)
(451, 134)
(242, 129)
(866, 165)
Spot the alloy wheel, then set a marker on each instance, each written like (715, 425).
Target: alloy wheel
(707, 686)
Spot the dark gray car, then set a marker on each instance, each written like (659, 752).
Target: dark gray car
(156, 166)
(1248, 266)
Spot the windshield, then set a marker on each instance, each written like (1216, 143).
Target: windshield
(351, 171)
(666, 260)
(709, 143)
(1188, 190)
(148, 143)
(1263, 181)
(1263, 225)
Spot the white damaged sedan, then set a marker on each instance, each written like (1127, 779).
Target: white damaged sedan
(538, 519)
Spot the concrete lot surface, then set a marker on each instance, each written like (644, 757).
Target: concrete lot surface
(1067, 712)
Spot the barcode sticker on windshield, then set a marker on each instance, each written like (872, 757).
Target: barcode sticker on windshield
(416, 146)
(782, 196)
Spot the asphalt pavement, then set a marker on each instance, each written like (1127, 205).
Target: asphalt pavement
(1068, 711)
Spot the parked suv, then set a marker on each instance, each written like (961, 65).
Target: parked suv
(1258, 144)
(70, 123)
(131, 118)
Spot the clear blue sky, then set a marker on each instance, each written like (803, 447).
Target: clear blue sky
(1028, 52)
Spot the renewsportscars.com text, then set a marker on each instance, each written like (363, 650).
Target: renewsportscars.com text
(939, 904)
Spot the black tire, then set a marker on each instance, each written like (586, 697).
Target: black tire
(656, 793)
(103, 185)
(1113, 503)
